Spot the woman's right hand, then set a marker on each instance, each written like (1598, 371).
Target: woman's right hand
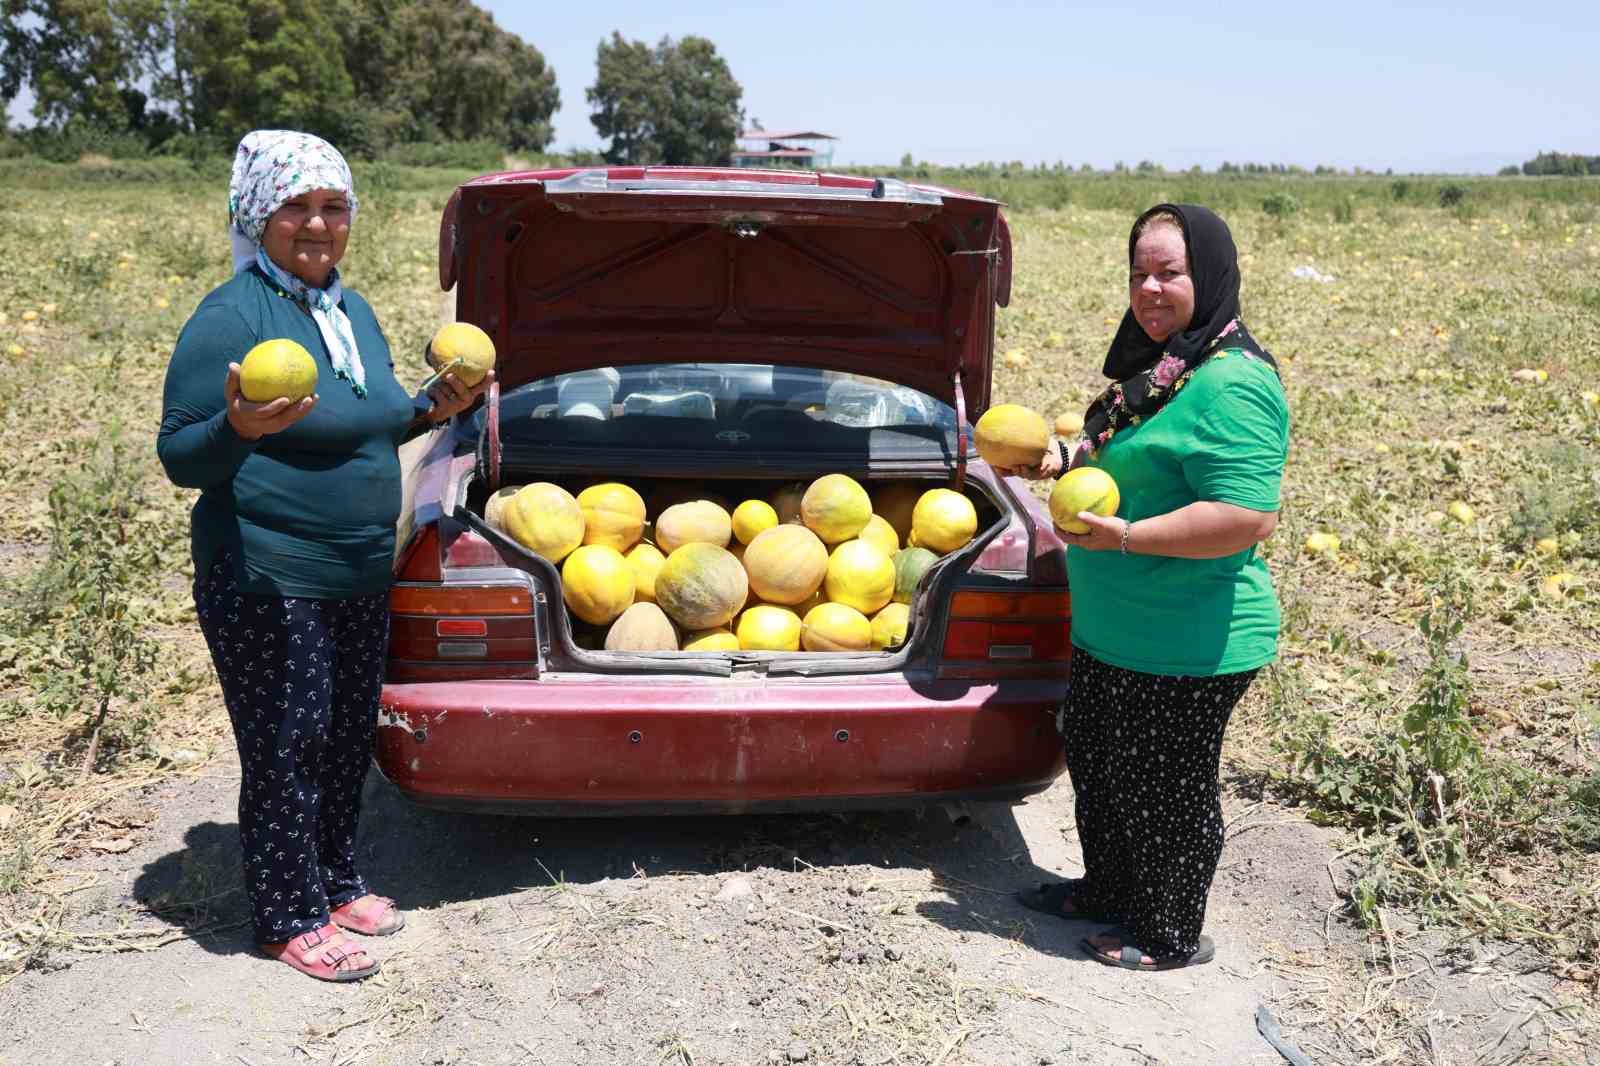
(252, 421)
(1048, 467)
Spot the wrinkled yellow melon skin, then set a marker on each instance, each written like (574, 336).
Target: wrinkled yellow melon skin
(613, 515)
(694, 522)
(1088, 488)
(943, 521)
(701, 586)
(642, 627)
(786, 564)
(275, 368)
(859, 576)
(752, 518)
(466, 342)
(545, 519)
(835, 627)
(597, 584)
(835, 508)
(721, 639)
(881, 535)
(768, 628)
(889, 626)
(1009, 435)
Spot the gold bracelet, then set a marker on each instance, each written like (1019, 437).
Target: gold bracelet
(1127, 527)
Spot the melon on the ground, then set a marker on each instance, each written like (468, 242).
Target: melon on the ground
(859, 576)
(768, 628)
(597, 583)
(835, 508)
(613, 515)
(545, 519)
(1009, 435)
(943, 521)
(719, 639)
(642, 627)
(693, 522)
(701, 586)
(751, 518)
(786, 564)
(909, 566)
(890, 625)
(835, 627)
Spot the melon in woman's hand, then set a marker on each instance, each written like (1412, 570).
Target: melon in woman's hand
(1009, 435)
(464, 349)
(1088, 488)
(277, 368)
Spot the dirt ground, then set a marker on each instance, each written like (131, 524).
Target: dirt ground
(868, 939)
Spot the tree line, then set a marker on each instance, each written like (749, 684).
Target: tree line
(1557, 164)
(192, 76)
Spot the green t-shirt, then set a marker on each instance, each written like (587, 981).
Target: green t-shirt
(309, 511)
(1224, 437)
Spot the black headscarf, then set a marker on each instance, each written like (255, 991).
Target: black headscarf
(1147, 374)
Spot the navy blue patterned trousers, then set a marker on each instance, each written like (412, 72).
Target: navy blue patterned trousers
(301, 679)
(1143, 752)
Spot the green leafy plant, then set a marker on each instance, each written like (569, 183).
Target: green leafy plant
(1280, 204)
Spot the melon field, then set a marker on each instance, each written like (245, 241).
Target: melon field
(1413, 794)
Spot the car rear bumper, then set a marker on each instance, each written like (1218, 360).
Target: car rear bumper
(633, 745)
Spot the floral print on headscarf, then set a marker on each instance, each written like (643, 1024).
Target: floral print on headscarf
(271, 168)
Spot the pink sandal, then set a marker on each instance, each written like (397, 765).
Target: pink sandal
(369, 915)
(324, 954)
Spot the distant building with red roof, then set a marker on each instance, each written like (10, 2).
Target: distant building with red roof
(802, 149)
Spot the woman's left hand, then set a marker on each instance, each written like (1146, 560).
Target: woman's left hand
(451, 396)
(1105, 534)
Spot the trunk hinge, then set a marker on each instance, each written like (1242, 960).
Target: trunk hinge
(491, 433)
(961, 433)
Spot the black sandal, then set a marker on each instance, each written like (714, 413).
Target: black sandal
(1130, 957)
(1049, 897)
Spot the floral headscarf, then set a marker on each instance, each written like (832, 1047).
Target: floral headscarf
(270, 168)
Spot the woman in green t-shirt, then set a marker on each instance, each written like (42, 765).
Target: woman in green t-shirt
(1173, 608)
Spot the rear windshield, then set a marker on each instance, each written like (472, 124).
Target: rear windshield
(758, 405)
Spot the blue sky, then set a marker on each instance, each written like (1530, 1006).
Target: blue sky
(1467, 86)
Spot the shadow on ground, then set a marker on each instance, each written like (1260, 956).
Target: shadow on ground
(428, 858)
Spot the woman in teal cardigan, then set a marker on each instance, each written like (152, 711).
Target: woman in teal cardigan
(1173, 608)
(293, 540)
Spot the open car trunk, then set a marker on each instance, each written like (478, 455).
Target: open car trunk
(575, 646)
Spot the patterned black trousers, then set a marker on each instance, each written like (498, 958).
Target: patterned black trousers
(300, 678)
(1143, 752)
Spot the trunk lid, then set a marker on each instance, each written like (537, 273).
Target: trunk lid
(574, 269)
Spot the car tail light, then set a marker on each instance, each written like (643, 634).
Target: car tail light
(456, 630)
(995, 633)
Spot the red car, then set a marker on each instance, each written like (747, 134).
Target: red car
(719, 332)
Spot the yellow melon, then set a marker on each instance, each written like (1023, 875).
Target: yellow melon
(1088, 488)
(613, 515)
(701, 586)
(693, 522)
(545, 519)
(859, 576)
(494, 507)
(767, 628)
(786, 564)
(835, 508)
(751, 518)
(720, 639)
(881, 535)
(889, 626)
(275, 368)
(642, 627)
(1009, 435)
(645, 561)
(597, 583)
(943, 521)
(835, 627)
(464, 348)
